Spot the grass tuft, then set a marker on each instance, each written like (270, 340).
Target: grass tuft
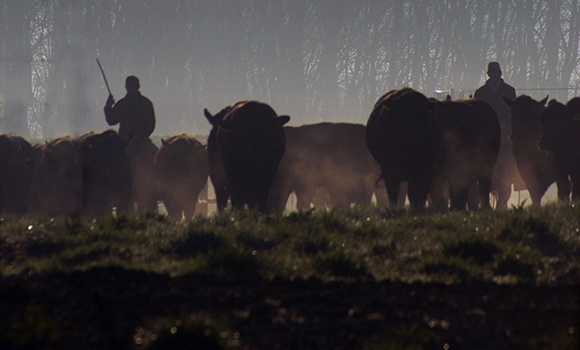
(477, 250)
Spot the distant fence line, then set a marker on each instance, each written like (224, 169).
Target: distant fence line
(465, 93)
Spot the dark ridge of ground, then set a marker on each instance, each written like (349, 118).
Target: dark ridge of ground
(113, 308)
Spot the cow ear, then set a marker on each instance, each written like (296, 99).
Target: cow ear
(282, 119)
(508, 101)
(163, 142)
(543, 102)
(210, 118)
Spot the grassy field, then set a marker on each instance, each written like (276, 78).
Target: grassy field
(363, 278)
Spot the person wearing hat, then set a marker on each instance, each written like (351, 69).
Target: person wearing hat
(136, 118)
(506, 171)
(134, 113)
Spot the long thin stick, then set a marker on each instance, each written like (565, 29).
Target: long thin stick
(104, 77)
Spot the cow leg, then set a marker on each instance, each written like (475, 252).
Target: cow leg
(279, 202)
(575, 179)
(278, 196)
(189, 208)
(172, 206)
(191, 200)
(535, 194)
(393, 186)
(221, 196)
(147, 202)
(504, 191)
(484, 187)
(124, 205)
(459, 198)
(563, 185)
(303, 198)
(362, 196)
(474, 198)
(502, 178)
(418, 191)
(239, 196)
(436, 195)
(259, 200)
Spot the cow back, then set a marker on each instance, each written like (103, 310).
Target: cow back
(17, 162)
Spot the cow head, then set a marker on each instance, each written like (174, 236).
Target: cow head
(525, 117)
(553, 121)
(521, 100)
(65, 154)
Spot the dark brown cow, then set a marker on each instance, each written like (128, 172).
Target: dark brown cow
(107, 176)
(538, 168)
(181, 169)
(56, 187)
(329, 155)
(561, 138)
(250, 140)
(17, 163)
(400, 136)
(469, 135)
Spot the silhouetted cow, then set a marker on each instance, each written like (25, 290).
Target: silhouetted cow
(107, 176)
(17, 163)
(329, 155)
(400, 136)
(561, 138)
(250, 141)
(56, 187)
(468, 142)
(181, 169)
(538, 168)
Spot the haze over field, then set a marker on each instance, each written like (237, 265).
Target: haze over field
(315, 60)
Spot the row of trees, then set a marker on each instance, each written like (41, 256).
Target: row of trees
(312, 59)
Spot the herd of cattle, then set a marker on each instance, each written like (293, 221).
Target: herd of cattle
(439, 149)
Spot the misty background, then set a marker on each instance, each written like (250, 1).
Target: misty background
(315, 60)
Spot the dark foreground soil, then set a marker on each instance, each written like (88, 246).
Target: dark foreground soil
(111, 308)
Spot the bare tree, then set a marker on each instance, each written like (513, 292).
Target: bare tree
(313, 59)
(16, 62)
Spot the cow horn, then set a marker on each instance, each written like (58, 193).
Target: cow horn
(543, 102)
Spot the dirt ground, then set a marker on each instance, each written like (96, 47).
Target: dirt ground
(104, 308)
